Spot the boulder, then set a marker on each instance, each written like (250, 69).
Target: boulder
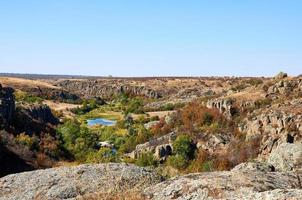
(74, 182)
(228, 185)
(286, 157)
(254, 166)
(281, 75)
(151, 124)
(160, 147)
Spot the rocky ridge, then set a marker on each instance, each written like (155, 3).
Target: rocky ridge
(106, 88)
(75, 182)
(246, 181)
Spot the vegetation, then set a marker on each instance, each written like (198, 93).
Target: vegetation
(21, 96)
(146, 159)
(87, 106)
(26, 140)
(192, 122)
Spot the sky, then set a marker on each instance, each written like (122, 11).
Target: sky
(151, 37)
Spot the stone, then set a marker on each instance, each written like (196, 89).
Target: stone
(225, 106)
(228, 185)
(281, 75)
(254, 166)
(74, 182)
(286, 157)
(151, 124)
(160, 147)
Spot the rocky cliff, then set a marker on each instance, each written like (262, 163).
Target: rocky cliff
(275, 125)
(34, 118)
(106, 88)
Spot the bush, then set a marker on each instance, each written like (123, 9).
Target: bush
(184, 147)
(146, 159)
(87, 106)
(177, 161)
(135, 106)
(21, 96)
(103, 155)
(166, 107)
(26, 140)
(207, 166)
(207, 118)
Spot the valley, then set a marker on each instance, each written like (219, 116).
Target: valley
(150, 137)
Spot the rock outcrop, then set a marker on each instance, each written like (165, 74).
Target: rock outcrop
(286, 88)
(161, 147)
(229, 185)
(41, 113)
(75, 182)
(106, 88)
(281, 75)
(225, 106)
(34, 118)
(286, 157)
(246, 181)
(7, 105)
(275, 127)
(254, 166)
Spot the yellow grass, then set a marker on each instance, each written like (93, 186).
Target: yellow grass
(21, 83)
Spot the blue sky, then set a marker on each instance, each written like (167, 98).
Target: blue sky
(151, 38)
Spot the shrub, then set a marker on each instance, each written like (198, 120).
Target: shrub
(87, 106)
(166, 107)
(129, 145)
(103, 155)
(195, 117)
(146, 159)
(196, 165)
(207, 166)
(177, 161)
(26, 140)
(207, 118)
(161, 128)
(25, 97)
(135, 105)
(184, 147)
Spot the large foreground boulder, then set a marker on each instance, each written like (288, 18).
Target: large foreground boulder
(74, 182)
(229, 185)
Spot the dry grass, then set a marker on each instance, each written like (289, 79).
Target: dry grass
(22, 83)
(63, 108)
(129, 195)
(58, 106)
